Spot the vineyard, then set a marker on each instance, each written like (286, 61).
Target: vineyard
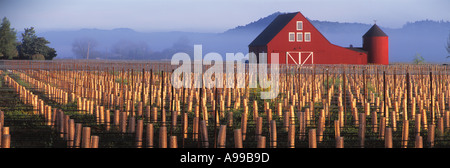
(113, 104)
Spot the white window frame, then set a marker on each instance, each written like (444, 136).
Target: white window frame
(299, 36)
(300, 28)
(293, 34)
(308, 39)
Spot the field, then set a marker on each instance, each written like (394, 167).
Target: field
(112, 104)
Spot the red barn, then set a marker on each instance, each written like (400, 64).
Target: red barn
(298, 42)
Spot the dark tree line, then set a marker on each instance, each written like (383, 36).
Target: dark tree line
(31, 47)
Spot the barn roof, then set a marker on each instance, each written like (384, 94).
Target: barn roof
(375, 31)
(273, 29)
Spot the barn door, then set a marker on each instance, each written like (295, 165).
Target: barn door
(292, 58)
(299, 57)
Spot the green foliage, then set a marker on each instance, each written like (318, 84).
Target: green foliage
(7, 40)
(370, 87)
(38, 57)
(31, 45)
(27, 47)
(119, 80)
(337, 81)
(418, 59)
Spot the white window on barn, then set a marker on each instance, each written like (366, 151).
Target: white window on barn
(307, 36)
(299, 36)
(299, 25)
(291, 36)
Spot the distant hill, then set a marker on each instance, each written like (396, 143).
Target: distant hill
(427, 38)
(256, 26)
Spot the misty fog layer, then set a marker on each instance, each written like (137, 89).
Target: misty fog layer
(427, 38)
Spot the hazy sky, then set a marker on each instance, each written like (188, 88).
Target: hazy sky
(208, 15)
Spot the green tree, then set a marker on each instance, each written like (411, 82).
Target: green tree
(7, 40)
(32, 44)
(38, 57)
(418, 59)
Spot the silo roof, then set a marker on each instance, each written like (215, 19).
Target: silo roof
(375, 31)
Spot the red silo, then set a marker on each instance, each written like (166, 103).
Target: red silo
(375, 42)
